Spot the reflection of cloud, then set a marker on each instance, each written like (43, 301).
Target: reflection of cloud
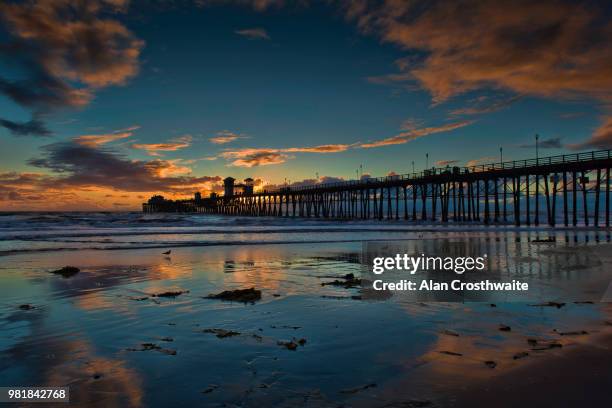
(116, 386)
(544, 48)
(600, 139)
(254, 33)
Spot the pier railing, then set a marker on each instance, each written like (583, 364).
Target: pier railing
(455, 170)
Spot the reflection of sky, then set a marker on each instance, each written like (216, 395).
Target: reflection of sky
(96, 315)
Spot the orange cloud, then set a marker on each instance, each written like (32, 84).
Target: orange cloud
(225, 137)
(478, 162)
(600, 139)
(545, 48)
(250, 157)
(153, 149)
(413, 134)
(102, 139)
(444, 163)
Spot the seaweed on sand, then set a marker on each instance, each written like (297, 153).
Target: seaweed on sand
(250, 295)
(66, 271)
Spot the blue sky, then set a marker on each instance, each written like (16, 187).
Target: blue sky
(277, 78)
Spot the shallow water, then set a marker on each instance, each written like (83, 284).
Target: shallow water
(83, 330)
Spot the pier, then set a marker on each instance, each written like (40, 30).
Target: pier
(565, 189)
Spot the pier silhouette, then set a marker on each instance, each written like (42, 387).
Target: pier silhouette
(520, 192)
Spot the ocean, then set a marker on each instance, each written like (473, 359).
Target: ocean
(109, 333)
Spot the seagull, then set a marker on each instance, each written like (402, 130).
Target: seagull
(167, 252)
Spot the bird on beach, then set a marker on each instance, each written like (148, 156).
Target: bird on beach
(167, 252)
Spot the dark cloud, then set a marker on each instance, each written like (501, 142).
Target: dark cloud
(65, 50)
(83, 166)
(33, 127)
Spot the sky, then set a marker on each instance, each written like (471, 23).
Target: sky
(104, 103)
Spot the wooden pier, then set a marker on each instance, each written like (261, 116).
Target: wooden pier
(567, 189)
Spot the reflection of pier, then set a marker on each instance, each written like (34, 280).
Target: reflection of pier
(533, 192)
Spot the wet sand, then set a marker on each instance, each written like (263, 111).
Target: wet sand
(578, 376)
(136, 327)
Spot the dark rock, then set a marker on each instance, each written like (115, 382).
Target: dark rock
(450, 333)
(572, 333)
(450, 353)
(67, 271)
(357, 389)
(349, 281)
(558, 305)
(26, 307)
(539, 345)
(97, 376)
(210, 389)
(409, 404)
(289, 345)
(503, 327)
(520, 355)
(302, 341)
(490, 363)
(221, 333)
(239, 295)
(153, 346)
(493, 305)
(170, 293)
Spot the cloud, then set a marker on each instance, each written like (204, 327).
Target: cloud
(444, 163)
(225, 137)
(329, 148)
(258, 5)
(410, 135)
(67, 50)
(483, 106)
(254, 157)
(600, 139)
(250, 157)
(175, 144)
(75, 165)
(33, 127)
(478, 162)
(102, 139)
(548, 48)
(551, 143)
(254, 33)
